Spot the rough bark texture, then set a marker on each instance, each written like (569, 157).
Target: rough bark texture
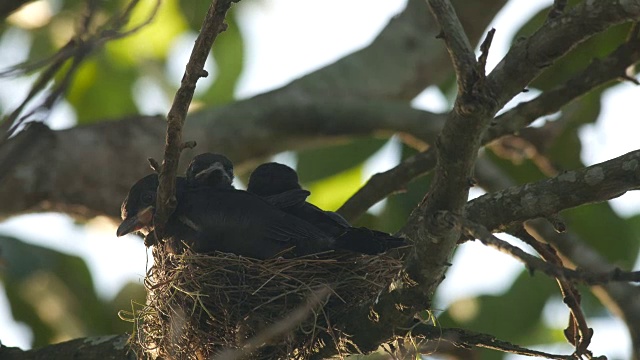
(110, 347)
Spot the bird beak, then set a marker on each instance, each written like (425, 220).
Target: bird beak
(214, 167)
(140, 220)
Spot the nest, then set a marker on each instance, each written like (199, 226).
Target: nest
(201, 304)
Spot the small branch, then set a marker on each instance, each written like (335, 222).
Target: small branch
(155, 166)
(213, 25)
(467, 338)
(460, 50)
(571, 296)
(280, 328)
(533, 263)
(84, 43)
(622, 299)
(484, 53)
(386, 183)
(588, 185)
(530, 57)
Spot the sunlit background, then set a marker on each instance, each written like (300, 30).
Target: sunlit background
(283, 40)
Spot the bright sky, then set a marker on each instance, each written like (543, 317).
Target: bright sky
(284, 40)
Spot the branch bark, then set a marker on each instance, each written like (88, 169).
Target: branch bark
(212, 25)
(112, 347)
(597, 183)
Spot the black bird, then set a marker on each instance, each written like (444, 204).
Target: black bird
(280, 186)
(212, 170)
(226, 220)
(139, 207)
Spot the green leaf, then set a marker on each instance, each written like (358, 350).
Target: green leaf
(566, 148)
(514, 316)
(521, 172)
(51, 292)
(610, 235)
(102, 89)
(316, 164)
(331, 192)
(153, 41)
(194, 12)
(400, 205)
(228, 53)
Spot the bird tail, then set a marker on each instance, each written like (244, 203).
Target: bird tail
(367, 241)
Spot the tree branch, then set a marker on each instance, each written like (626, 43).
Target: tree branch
(112, 347)
(457, 147)
(620, 298)
(598, 73)
(458, 46)
(467, 338)
(528, 58)
(212, 25)
(578, 332)
(592, 184)
(49, 174)
(533, 263)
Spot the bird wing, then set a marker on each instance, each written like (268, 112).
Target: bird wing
(239, 218)
(288, 198)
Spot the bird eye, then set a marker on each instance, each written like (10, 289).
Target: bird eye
(147, 198)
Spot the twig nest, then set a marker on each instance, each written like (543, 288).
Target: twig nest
(201, 304)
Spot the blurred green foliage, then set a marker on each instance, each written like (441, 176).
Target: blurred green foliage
(53, 293)
(103, 87)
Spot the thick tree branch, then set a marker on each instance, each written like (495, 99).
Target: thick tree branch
(50, 174)
(460, 139)
(113, 347)
(457, 147)
(592, 184)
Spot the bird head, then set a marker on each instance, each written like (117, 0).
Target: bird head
(272, 178)
(138, 208)
(209, 169)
